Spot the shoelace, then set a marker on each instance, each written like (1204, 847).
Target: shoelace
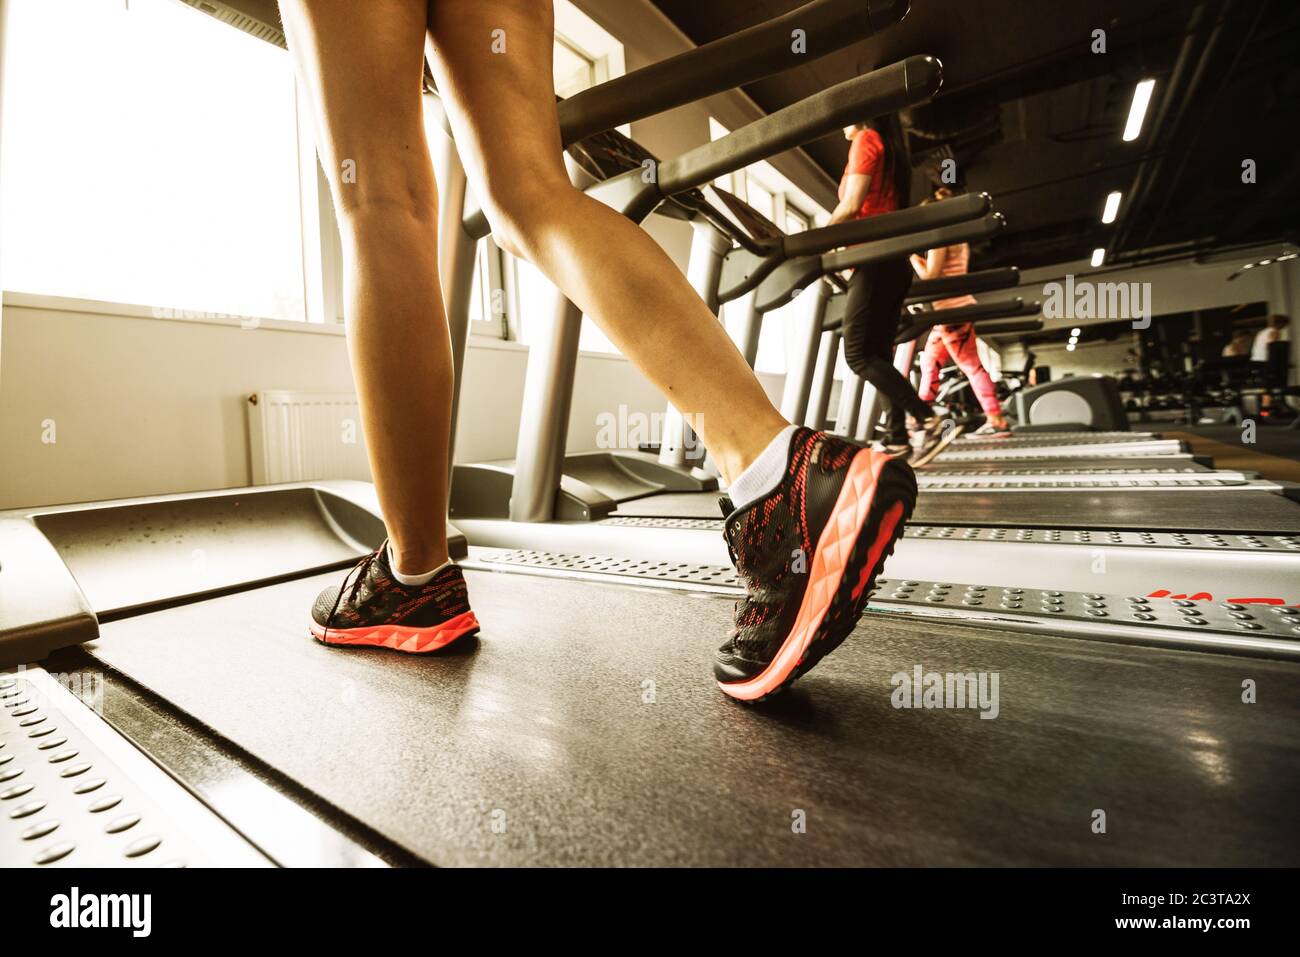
(359, 569)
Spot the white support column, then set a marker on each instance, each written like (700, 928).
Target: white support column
(803, 358)
(746, 334)
(846, 419)
(544, 421)
(823, 380)
(704, 271)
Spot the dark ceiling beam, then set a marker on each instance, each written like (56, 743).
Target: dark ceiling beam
(1187, 147)
(1189, 69)
(1248, 217)
(1064, 67)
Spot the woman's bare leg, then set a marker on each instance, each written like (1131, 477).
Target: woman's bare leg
(492, 60)
(361, 71)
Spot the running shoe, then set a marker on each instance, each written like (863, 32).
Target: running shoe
(807, 554)
(372, 609)
(932, 438)
(990, 431)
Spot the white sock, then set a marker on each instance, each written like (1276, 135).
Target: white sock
(422, 579)
(765, 472)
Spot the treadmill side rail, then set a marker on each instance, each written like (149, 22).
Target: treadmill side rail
(164, 824)
(730, 61)
(42, 607)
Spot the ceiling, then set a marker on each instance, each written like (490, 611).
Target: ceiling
(1034, 117)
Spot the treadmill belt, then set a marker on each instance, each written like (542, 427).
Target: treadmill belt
(1257, 513)
(1241, 512)
(584, 729)
(1164, 463)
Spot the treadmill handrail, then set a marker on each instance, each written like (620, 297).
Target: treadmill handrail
(983, 314)
(959, 209)
(986, 280)
(902, 246)
(919, 322)
(1005, 326)
(723, 64)
(743, 270)
(793, 275)
(886, 90)
(637, 192)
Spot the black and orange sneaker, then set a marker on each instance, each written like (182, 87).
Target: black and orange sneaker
(807, 554)
(375, 610)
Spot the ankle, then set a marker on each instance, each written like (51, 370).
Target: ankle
(416, 560)
(735, 457)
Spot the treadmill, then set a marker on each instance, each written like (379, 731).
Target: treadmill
(583, 728)
(542, 481)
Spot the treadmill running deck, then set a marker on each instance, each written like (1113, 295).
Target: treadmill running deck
(584, 728)
(1189, 510)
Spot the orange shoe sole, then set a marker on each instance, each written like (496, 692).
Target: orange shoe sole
(415, 641)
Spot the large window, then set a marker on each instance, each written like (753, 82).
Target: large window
(769, 192)
(574, 70)
(151, 158)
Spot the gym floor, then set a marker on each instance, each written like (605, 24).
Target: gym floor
(1275, 453)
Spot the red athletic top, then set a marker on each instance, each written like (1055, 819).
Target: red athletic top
(867, 158)
(955, 264)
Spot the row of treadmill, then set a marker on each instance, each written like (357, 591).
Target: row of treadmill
(1129, 614)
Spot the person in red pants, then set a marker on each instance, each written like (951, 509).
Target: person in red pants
(957, 341)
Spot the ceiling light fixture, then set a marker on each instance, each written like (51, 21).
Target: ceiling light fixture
(1112, 209)
(1137, 111)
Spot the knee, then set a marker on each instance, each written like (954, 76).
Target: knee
(408, 193)
(855, 360)
(524, 211)
(859, 358)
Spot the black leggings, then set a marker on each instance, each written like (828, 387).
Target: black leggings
(871, 316)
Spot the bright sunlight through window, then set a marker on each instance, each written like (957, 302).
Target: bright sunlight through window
(150, 158)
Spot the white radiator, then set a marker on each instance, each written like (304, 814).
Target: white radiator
(299, 436)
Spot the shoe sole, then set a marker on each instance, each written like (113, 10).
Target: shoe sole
(945, 440)
(866, 522)
(412, 641)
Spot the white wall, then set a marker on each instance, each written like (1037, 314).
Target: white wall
(143, 406)
(1175, 288)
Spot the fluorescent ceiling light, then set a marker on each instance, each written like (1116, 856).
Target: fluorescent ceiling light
(1112, 208)
(1138, 110)
(1099, 255)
